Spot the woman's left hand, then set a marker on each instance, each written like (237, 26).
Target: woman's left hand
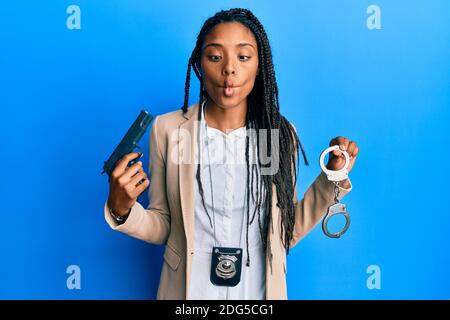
(336, 159)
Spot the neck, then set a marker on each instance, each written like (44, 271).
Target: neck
(225, 119)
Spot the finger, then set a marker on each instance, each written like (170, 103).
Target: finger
(132, 170)
(123, 162)
(355, 152)
(334, 141)
(137, 178)
(133, 183)
(125, 178)
(351, 149)
(343, 143)
(339, 153)
(140, 188)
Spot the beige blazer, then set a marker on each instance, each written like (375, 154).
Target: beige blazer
(169, 218)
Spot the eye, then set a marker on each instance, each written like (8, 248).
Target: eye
(214, 58)
(244, 58)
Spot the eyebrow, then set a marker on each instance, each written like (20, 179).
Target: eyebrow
(215, 44)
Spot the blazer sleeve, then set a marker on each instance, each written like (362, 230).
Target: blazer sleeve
(152, 224)
(313, 207)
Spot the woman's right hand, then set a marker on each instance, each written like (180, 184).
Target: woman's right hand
(126, 184)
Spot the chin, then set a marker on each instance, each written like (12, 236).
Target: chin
(227, 102)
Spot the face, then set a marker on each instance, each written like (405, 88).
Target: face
(229, 62)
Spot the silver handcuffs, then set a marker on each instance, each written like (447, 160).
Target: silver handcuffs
(335, 176)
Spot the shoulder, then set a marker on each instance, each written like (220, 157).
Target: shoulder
(174, 119)
(169, 119)
(167, 124)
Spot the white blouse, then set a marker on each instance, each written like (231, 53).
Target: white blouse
(229, 173)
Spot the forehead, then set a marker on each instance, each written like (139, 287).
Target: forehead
(230, 33)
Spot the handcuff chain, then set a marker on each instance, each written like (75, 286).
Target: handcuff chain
(336, 192)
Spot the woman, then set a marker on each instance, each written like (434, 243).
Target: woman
(204, 210)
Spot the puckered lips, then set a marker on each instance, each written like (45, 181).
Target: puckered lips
(228, 88)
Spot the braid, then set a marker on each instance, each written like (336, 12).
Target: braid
(186, 87)
(263, 112)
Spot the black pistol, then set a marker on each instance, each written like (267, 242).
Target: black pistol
(129, 141)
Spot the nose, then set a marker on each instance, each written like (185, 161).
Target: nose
(227, 72)
(229, 68)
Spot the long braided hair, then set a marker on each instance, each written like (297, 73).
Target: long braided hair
(263, 112)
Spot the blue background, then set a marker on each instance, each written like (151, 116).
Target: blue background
(68, 96)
